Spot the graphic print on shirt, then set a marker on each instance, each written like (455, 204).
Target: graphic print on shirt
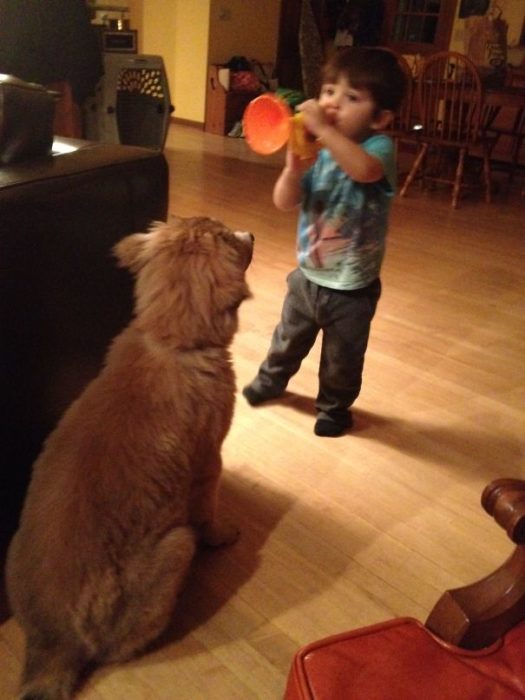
(342, 225)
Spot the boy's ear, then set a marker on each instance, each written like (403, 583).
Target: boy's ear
(382, 119)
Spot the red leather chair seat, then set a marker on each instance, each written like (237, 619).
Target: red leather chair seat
(401, 660)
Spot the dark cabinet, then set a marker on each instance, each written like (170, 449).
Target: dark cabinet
(223, 107)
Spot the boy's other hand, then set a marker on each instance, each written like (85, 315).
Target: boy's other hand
(296, 164)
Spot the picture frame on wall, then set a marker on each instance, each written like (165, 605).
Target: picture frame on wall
(468, 8)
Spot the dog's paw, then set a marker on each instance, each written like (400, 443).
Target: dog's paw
(219, 534)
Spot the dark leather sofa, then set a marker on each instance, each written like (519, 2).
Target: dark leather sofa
(62, 298)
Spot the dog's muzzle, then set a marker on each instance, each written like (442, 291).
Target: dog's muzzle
(247, 239)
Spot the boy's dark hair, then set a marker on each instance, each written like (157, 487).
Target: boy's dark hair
(374, 69)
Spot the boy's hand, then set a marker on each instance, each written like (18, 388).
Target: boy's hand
(314, 116)
(295, 164)
(287, 190)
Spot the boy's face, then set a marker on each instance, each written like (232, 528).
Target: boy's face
(352, 111)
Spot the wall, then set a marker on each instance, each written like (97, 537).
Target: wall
(178, 31)
(513, 12)
(190, 34)
(135, 14)
(242, 28)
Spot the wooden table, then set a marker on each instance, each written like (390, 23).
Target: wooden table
(509, 98)
(494, 99)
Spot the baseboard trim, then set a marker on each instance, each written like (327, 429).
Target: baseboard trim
(187, 122)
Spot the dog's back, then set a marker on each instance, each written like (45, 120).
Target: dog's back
(107, 531)
(105, 490)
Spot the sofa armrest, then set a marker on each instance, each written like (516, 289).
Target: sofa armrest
(62, 297)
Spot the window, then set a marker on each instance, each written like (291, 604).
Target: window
(419, 26)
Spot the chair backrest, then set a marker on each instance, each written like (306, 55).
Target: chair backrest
(404, 119)
(450, 97)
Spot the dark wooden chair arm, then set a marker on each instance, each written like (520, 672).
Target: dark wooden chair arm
(504, 499)
(477, 615)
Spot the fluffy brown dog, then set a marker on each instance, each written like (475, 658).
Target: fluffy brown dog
(130, 475)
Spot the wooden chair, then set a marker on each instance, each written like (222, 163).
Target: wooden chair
(402, 127)
(450, 100)
(472, 645)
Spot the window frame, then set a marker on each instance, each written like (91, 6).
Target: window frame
(445, 21)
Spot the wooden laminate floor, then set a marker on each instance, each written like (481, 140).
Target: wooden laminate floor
(341, 533)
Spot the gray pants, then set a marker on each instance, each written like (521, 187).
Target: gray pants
(345, 318)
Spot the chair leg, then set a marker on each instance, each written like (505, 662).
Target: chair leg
(413, 171)
(487, 175)
(518, 135)
(477, 615)
(515, 157)
(459, 177)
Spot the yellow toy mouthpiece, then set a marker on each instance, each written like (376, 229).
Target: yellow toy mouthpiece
(268, 123)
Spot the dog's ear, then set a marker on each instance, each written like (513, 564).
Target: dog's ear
(132, 251)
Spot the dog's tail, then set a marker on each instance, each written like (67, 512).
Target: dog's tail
(50, 673)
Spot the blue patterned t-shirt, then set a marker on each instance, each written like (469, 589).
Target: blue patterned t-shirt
(343, 224)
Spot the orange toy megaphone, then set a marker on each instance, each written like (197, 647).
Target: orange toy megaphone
(268, 123)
